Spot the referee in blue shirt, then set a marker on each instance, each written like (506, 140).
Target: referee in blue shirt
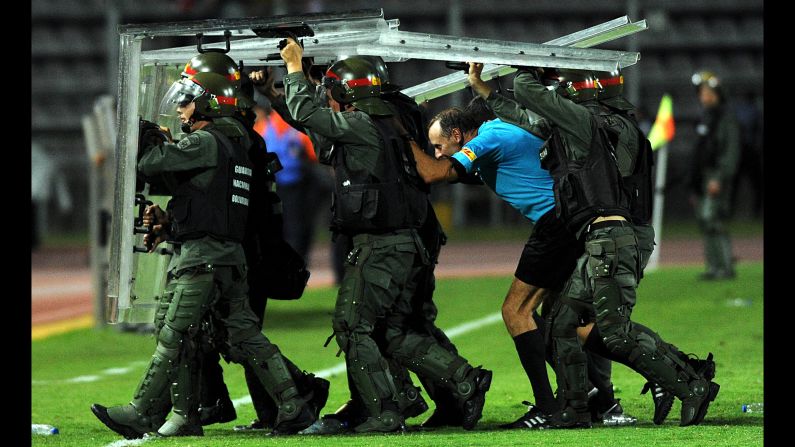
(506, 157)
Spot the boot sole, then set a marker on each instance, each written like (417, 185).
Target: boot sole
(102, 414)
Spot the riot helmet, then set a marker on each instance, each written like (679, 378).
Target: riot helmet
(213, 95)
(213, 62)
(576, 85)
(356, 81)
(610, 86)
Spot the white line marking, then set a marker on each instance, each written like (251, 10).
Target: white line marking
(81, 379)
(94, 377)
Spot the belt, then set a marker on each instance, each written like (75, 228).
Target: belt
(607, 223)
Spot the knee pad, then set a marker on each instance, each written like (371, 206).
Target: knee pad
(169, 343)
(617, 340)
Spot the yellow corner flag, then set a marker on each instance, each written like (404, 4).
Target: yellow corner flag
(662, 131)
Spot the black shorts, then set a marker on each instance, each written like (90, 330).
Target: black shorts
(550, 254)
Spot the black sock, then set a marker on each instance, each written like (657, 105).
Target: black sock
(531, 350)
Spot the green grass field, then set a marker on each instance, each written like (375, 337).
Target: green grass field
(696, 316)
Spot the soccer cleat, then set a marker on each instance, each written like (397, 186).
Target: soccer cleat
(533, 419)
(663, 401)
(615, 416)
(568, 418)
(255, 425)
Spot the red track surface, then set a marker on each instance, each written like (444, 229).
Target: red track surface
(61, 279)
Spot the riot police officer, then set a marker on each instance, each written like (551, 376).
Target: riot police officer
(378, 201)
(598, 205)
(206, 222)
(266, 253)
(717, 155)
(414, 122)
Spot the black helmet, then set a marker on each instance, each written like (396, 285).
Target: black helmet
(213, 94)
(576, 85)
(709, 79)
(356, 81)
(213, 62)
(610, 86)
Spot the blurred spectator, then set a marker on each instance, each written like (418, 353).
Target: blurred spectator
(46, 178)
(717, 155)
(299, 183)
(749, 118)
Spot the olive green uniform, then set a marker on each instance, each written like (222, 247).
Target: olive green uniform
(424, 307)
(381, 277)
(205, 275)
(607, 274)
(717, 155)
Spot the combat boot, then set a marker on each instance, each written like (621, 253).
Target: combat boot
(389, 421)
(694, 407)
(412, 402)
(124, 420)
(327, 426)
(319, 394)
(222, 411)
(294, 416)
(179, 425)
(472, 407)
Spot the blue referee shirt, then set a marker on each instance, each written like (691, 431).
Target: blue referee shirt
(506, 157)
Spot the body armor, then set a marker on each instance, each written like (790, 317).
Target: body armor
(221, 210)
(585, 188)
(365, 203)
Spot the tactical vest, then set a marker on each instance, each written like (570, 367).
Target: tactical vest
(585, 188)
(363, 203)
(220, 211)
(638, 185)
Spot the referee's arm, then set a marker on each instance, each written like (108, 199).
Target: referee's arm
(432, 170)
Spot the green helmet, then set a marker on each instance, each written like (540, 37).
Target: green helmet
(213, 94)
(610, 86)
(356, 81)
(576, 85)
(213, 62)
(217, 62)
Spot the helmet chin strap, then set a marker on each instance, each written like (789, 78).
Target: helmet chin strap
(188, 127)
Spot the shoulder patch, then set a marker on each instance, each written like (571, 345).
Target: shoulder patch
(190, 140)
(469, 154)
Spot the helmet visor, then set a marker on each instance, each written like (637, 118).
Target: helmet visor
(180, 94)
